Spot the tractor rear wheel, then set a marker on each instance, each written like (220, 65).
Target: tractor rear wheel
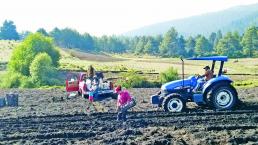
(223, 97)
(173, 103)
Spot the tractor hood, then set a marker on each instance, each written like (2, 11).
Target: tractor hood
(171, 86)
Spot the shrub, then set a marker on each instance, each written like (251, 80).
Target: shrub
(246, 83)
(27, 82)
(12, 80)
(132, 79)
(42, 70)
(24, 54)
(168, 75)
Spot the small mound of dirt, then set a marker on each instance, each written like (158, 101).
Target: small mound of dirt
(130, 132)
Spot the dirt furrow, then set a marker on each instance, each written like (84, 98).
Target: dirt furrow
(33, 129)
(40, 119)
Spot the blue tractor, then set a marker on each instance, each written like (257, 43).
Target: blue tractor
(217, 93)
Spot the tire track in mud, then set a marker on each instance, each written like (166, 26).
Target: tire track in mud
(97, 124)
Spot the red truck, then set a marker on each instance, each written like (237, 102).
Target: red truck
(81, 84)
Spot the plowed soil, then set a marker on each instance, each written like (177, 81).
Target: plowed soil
(49, 117)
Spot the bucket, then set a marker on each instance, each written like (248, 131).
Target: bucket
(2, 102)
(12, 99)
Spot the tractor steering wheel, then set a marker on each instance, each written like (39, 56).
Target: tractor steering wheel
(197, 76)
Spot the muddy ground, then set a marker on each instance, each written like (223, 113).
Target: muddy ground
(49, 117)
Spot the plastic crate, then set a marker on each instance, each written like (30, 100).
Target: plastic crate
(2, 102)
(12, 99)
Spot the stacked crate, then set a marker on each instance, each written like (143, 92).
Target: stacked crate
(2, 102)
(12, 99)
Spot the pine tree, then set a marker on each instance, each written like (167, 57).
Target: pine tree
(169, 44)
(190, 45)
(250, 42)
(202, 46)
(8, 31)
(229, 45)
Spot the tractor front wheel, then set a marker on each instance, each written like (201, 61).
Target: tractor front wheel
(223, 97)
(173, 103)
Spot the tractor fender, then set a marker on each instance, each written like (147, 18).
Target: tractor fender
(214, 81)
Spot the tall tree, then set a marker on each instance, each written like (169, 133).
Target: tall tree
(212, 39)
(189, 46)
(56, 34)
(132, 44)
(218, 37)
(148, 47)
(181, 46)
(140, 45)
(229, 45)
(114, 44)
(169, 44)
(67, 38)
(156, 42)
(8, 31)
(87, 42)
(202, 46)
(250, 41)
(42, 31)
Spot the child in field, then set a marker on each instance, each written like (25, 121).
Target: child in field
(91, 99)
(91, 94)
(124, 103)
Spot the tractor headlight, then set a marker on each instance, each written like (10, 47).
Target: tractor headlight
(163, 93)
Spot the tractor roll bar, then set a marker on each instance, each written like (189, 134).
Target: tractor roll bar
(213, 65)
(183, 71)
(220, 68)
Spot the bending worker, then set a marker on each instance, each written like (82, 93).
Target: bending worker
(124, 103)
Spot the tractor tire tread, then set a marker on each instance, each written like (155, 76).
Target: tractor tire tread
(217, 87)
(170, 96)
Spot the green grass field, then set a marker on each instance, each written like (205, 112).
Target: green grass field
(6, 48)
(244, 69)
(156, 65)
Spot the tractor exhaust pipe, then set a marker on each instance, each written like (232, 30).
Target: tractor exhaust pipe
(183, 71)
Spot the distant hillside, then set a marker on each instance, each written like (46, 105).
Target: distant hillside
(233, 19)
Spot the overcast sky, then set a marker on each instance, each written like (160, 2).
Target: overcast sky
(99, 17)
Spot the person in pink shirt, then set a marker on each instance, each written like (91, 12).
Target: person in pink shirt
(124, 102)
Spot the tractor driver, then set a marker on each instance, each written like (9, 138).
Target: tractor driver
(208, 74)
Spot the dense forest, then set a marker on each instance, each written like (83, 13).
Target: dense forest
(171, 44)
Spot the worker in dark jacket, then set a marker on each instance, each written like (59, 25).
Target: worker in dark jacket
(92, 83)
(91, 71)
